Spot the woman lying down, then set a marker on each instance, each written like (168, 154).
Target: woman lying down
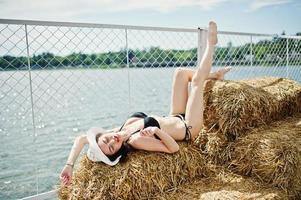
(154, 133)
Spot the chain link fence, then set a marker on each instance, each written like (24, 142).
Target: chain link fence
(59, 79)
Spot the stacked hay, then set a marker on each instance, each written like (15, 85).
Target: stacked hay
(144, 175)
(224, 185)
(272, 154)
(232, 107)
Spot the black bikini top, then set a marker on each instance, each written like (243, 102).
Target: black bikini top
(147, 121)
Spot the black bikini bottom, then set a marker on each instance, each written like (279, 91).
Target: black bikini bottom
(187, 132)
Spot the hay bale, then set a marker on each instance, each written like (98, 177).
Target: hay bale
(214, 145)
(144, 175)
(271, 154)
(224, 185)
(232, 107)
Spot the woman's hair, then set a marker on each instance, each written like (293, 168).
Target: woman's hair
(123, 151)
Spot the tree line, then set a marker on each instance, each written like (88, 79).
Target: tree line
(265, 52)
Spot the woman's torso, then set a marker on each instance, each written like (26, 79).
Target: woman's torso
(172, 125)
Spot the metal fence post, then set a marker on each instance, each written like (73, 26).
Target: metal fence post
(201, 44)
(287, 58)
(31, 99)
(251, 55)
(128, 68)
(251, 49)
(199, 47)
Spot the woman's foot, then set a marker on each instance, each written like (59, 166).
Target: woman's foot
(212, 33)
(221, 73)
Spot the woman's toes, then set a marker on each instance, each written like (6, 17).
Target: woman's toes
(212, 23)
(221, 73)
(212, 33)
(226, 69)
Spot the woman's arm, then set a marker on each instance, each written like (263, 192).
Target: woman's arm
(167, 140)
(78, 145)
(167, 144)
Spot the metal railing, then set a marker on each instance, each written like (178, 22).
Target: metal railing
(59, 78)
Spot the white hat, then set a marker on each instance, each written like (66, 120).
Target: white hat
(95, 153)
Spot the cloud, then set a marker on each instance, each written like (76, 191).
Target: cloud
(58, 9)
(162, 5)
(258, 4)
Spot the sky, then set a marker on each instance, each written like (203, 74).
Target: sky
(255, 16)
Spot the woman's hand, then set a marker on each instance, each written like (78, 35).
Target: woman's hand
(149, 131)
(66, 175)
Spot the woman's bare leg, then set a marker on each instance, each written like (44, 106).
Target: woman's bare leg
(179, 93)
(195, 107)
(181, 79)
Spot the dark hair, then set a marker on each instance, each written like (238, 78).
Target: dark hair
(123, 151)
(97, 136)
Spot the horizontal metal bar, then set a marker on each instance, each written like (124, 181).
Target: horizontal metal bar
(247, 34)
(290, 36)
(41, 196)
(113, 26)
(93, 25)
(130, 27)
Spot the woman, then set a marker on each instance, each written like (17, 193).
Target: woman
(154, 133)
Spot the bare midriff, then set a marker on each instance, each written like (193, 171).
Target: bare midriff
(174, 126)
